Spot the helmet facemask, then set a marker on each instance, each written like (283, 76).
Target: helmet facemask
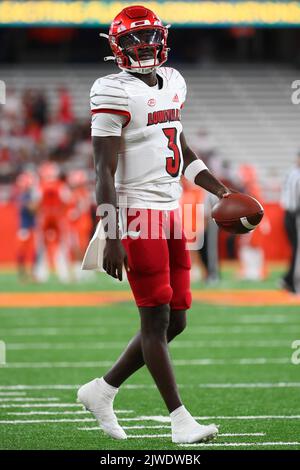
(142, 49)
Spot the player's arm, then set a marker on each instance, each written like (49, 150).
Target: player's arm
(106, 160)
(197, 172)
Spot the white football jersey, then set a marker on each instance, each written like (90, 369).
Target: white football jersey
(150, 162)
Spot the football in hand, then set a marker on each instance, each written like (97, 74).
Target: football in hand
(237, 213)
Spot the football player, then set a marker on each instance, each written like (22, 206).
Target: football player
(79, 218)
(140, 154)
(27, 197)
(53, 230)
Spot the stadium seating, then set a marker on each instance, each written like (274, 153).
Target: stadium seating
(248, 110)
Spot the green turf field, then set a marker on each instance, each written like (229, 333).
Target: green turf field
(233, 366)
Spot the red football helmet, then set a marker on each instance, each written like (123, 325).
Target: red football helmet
(138, 40)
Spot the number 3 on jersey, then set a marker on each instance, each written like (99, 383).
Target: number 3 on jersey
(172, 163)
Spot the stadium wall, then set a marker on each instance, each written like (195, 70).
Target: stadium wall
(278, 251)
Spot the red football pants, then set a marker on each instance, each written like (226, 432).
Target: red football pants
(159, 262)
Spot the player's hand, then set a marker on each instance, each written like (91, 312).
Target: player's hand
(223, 192)
(114, 257)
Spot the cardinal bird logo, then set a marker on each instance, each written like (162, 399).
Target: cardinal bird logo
(152, 102)
(175, 99)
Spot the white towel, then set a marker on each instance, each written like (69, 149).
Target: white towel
(93, 258)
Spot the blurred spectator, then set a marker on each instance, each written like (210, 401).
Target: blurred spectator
(29, 133)
(249, 181)
(193, 211)
(65, 107)
(54, 134)
(291, 203)
(230, 177)
(53, 247)
(79, 219)
(27, 198)
(12, 105)
(250, 246)
(209, 253)
(39, 111)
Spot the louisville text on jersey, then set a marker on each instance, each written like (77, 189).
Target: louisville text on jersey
(164, 115)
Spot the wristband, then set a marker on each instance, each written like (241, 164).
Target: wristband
(194, 168)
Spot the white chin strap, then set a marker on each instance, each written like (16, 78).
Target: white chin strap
(145, 63)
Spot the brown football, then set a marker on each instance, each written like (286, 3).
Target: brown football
(237, 213)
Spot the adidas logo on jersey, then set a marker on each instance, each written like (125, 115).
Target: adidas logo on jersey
(164, 115)
(175, 99)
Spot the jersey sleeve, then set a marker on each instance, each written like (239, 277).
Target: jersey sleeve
(107, 124)
(108, 96)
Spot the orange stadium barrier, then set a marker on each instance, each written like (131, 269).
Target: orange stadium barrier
(278, 251)
(8, 233)
(275, 244)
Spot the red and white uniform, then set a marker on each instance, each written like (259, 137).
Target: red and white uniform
(150, 164)
(147, 178)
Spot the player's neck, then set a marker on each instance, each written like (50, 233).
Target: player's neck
(150, 78)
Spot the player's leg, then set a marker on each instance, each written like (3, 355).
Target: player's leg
(154, 326)
(149, 279)
(106, 388)
(22, 235)
(132, 358)
(184, 427)
(291, 230)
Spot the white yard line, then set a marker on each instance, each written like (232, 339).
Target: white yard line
(153, 436)
(96, 428)
(30, 413)
(223, 385)
(149, 386)
(211, 329)
(64, 346)
(247, 434)
(252, 385)
(240, 434)
(161, 419)
(176, 362)
(11, 394)
(39, 421)
(113, 321)
(40, 387)
(241, 444)
(148, 436)
(167, 419)
(54, 331)
(50, 365)
(23, 399)
(41, 405)
(242, 361)
(174, 345)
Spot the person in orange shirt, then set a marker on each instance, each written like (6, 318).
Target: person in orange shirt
(251, 246)
(79, 218)
(193, 222)
(52, 223)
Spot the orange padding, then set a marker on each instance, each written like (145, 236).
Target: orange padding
(275, 243)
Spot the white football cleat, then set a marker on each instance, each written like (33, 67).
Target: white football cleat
(196, 433)
(96, 399)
